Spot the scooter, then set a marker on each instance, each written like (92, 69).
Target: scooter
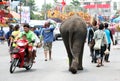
(20, 56)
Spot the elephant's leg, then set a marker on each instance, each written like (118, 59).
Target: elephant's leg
(65, 37)
(75, 53)
(80, 67)
(70, 57)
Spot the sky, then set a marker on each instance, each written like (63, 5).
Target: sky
(39, 3)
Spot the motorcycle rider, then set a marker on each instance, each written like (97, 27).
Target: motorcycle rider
(30, 37)
(13, 36)
(36, 44)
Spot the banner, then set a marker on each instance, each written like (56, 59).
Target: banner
(24, 12)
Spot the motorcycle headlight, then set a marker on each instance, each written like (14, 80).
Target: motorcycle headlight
(15, 50)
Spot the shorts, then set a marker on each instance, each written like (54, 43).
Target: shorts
(47, 46)
(2, 38)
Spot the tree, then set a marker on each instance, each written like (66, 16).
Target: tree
(117, 14)
(68, 8)
(55, 1)
(45, 8)
(76, 4)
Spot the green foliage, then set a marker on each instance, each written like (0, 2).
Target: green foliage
(45, 8)
(76, 6)
(75, 3)
(117, 14)
(55, 1)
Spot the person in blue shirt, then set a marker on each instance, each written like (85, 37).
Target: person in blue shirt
(2, 35)
(109, 37)
(40, 28)
(47, 37)
(8, 34)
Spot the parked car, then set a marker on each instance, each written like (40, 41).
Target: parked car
(57, 31)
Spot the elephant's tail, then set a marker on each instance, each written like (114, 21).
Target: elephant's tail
(70, 41)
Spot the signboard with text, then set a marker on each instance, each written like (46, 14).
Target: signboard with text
(24, 12)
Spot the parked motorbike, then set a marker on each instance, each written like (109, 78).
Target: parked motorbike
(20, 56)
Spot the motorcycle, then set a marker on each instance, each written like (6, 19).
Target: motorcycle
(20, 56)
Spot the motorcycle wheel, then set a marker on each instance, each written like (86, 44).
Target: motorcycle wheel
(29, 66)
(13, 65)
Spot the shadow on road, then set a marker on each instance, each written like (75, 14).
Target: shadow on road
(24, 71)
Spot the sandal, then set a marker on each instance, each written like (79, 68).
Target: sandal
(98, 65)
(45, 59)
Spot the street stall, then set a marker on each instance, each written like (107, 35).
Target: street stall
(6, 15)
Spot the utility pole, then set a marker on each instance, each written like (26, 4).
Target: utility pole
(20, 11)
(45, 10)
(10, 4)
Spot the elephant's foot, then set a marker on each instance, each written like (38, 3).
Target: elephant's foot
(73, 70)
(73, 67)
(80, 68)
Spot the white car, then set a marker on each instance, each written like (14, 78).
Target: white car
(57, 31)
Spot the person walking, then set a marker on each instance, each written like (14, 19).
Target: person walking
(100, 35)
(47, 37)
(8, 34)
(2, 35)
(109, 37)
(90, 43)
(92, 29)
(36, 43)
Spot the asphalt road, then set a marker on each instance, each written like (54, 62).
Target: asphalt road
(57, 68)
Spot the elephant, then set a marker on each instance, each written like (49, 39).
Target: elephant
(74, 31)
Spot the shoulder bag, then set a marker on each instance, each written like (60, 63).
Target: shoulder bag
(97, 45)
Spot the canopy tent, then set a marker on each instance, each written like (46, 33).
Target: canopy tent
(116, 20)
